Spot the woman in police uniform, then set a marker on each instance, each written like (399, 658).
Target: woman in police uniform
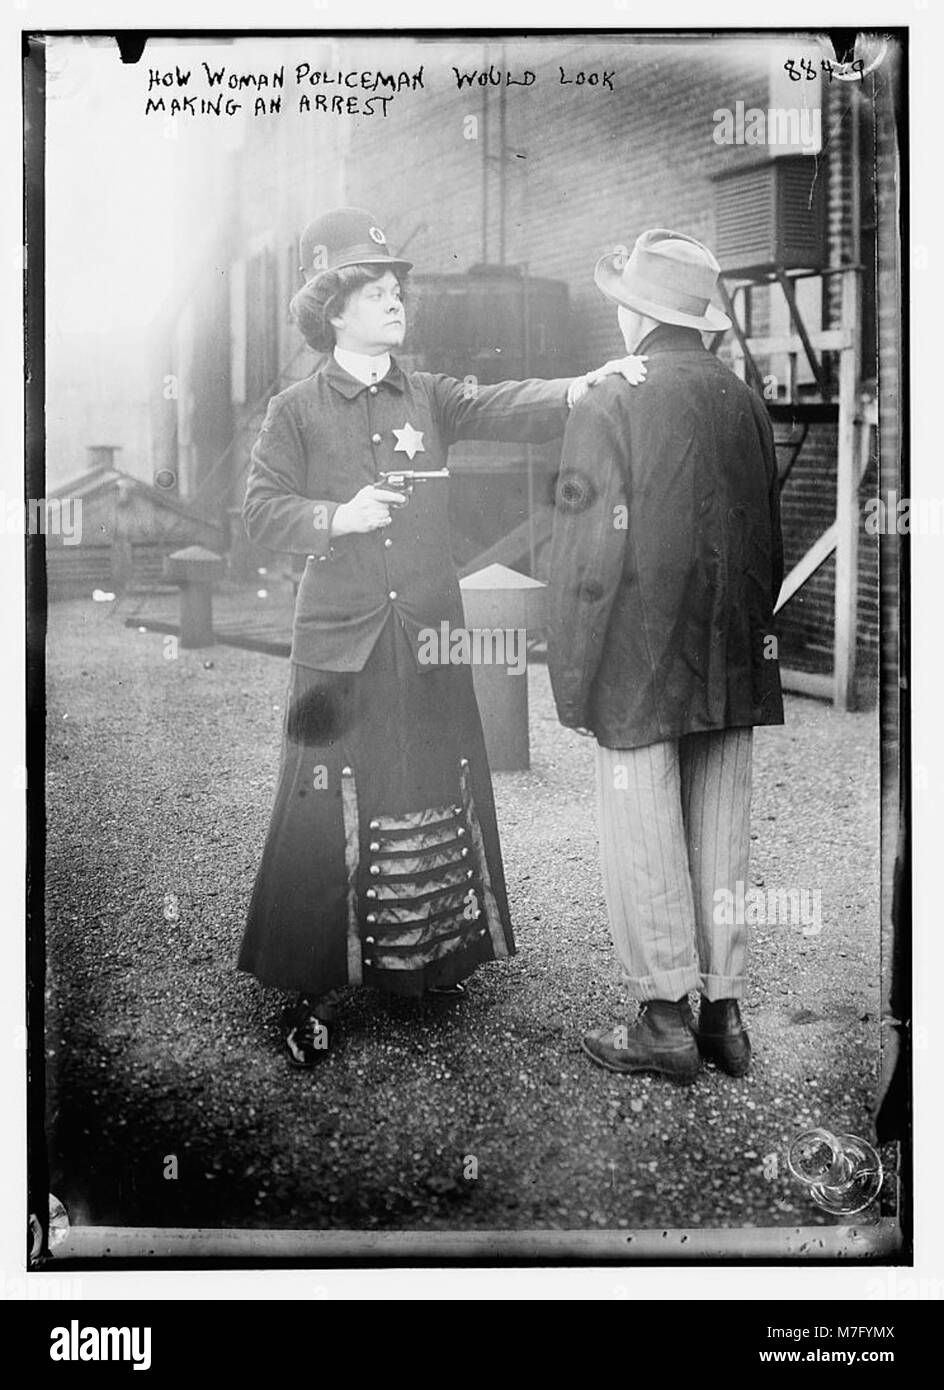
(382, 864)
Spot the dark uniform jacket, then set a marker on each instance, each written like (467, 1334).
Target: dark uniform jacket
(325, 438)
(666, 558)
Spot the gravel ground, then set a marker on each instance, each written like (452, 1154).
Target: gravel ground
(170, 1103)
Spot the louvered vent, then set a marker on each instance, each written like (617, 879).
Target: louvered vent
(771, 214)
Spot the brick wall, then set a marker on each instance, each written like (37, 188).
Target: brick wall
(586, 169)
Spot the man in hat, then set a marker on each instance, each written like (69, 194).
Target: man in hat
(382, 864)
(666, 566)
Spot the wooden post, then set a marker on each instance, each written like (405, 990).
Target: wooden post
(847, 502)
(500, 600)
(799, 327)
(195, 571)
(751, 373)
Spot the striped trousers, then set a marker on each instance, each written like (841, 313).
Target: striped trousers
(674, 830)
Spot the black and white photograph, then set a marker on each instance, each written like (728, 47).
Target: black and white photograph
(468, 769)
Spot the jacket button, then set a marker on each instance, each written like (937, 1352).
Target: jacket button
(392, 594)
(387, 543)
(373, 390)
(375, 438)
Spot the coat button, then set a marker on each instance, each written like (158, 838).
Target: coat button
(375, 438)
(387, 543)
(392, 594)
(373, 390)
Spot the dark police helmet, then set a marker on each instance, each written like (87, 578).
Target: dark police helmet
(346, 236)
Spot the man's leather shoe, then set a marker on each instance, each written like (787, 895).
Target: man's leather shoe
(721, 1036)
(660, 1040)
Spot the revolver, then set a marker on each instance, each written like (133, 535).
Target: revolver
(405, 479)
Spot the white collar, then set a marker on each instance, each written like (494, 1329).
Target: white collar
(364, 368)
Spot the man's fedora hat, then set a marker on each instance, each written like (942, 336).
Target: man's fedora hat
(669, 276)
(346, 236)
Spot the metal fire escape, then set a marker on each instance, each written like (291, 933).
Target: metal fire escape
(771, 232)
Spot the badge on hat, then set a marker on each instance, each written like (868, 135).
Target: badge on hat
(377, 235)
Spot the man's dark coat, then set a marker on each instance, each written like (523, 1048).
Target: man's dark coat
(666, 559)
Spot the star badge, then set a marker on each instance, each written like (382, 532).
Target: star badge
(409, 441)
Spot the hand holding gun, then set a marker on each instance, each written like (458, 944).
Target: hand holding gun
(405, 479)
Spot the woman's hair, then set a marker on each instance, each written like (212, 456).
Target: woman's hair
(324, 298)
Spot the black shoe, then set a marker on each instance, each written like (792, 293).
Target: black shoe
(456, 991)
(660, 1040)
(721, 1036)
(304, 1034)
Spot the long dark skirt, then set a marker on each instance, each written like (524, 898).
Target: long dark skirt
(382, 864)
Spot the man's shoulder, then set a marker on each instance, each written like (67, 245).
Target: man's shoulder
(670, 380)
(614, 401)
(697, 373)
(699, 363)
(603, 401)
